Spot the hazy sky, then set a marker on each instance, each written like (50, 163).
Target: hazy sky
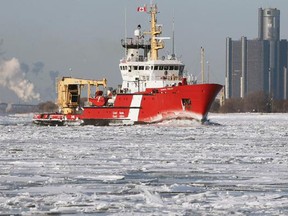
(43, 39)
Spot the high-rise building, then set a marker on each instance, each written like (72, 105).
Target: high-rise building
(269, 24)
(259, 64)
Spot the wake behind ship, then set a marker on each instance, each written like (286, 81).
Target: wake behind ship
(153, 89)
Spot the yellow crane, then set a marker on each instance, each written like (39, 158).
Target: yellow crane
(69, 91)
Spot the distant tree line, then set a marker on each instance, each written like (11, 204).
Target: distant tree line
(47, 106)
(50, 106)
(254, 102)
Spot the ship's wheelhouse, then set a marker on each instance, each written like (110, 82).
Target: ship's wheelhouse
(137, 76)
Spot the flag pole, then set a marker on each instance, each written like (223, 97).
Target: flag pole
(173, 33)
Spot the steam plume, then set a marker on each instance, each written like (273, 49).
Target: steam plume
(12, 78)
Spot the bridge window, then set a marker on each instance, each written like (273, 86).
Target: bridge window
(156, 67)
(166, 67)
(147, 68)
(171, 67)
(141, 67)
(161, 67)
(176, 67)
(135, 67)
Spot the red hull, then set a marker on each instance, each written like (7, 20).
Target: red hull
(154, 105)
(56, 119)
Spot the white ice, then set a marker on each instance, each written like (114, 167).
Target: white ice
(172, 168)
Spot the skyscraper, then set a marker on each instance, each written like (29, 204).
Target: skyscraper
(269, 24)
(259, 64)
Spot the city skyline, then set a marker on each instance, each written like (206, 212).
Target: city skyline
(260, 65)
(82, 38)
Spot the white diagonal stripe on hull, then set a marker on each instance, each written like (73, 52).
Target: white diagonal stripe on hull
(134, 112)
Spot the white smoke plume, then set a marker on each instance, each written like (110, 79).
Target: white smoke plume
(13, 78)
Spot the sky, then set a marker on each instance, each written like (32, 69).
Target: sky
(41, 40)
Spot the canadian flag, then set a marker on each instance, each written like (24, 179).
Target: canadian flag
(141, 9)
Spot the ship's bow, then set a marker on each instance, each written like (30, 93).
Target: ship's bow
(208, 93)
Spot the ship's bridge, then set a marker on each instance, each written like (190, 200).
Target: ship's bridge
(139, 75)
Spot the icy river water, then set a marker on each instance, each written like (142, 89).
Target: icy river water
(239, 167)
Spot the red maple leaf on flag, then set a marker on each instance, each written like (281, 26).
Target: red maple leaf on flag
(141, 9)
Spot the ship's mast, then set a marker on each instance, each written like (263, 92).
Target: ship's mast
(173, 37)
(155, 30)
(203, 64)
